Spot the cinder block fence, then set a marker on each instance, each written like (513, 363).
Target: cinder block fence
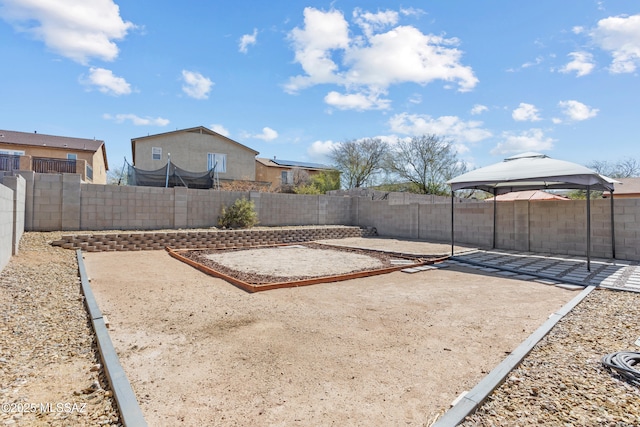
(62, 202)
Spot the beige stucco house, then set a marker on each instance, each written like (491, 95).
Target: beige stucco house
(282, 173)
(196, 149)
(54, 154)
(627, 189)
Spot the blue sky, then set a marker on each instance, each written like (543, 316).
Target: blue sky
(291, 79)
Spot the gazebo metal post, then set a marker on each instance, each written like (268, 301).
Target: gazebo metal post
(613, 230)
(452, 205)
(588, 228)
(495, 192)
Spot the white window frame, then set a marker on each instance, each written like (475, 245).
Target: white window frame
(286, 177)
(12, 152)
(156, 153)
(221, 160)
(72, 156)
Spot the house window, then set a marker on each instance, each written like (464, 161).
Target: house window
(71, 156)
(217, 161)
(287, 177)
(156, 153)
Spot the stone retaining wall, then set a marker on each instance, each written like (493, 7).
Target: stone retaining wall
(215, 239)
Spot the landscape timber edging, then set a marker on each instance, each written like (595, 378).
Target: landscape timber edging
(251, 288)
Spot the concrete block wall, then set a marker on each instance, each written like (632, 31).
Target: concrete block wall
(474, 223)
(61, 202)
(17, 185)
(29, 177)
(505, 230)
(559, 227)
(335, 210)
(47, 202)
(287, 209)
(6, 225)
(406, 198)
(473, 220)
(109, 207)
(435, 221)
(204, 206)
(627, 228)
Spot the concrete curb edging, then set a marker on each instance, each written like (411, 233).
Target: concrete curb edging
(472, 400)
(130, 412)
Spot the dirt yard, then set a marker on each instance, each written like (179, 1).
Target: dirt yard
(394, 349)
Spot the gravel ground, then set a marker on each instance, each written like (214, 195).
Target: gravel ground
(562, 381)
(49, 367)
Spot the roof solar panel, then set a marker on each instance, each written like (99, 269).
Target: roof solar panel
(293, 163)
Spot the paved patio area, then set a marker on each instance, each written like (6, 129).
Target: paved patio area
(556, 269)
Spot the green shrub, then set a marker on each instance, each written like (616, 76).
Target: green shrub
(241, 214)
(320, 183)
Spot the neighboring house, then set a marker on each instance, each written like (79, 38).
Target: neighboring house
(282, 173)
(196, 149)
(54, 154)
(527, 195)
(629, 188)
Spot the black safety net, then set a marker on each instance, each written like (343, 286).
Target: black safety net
(173, 177)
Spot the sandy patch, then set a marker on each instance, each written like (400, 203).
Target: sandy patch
(295, 260)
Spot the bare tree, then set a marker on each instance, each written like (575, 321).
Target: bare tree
(621, 169)
(427, 161)
(117, 175)
(359, 160)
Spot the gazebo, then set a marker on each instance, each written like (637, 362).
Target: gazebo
(534, 171)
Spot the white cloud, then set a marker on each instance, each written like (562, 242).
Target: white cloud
(370, 22)
(248, 40)
(537, 61)
(526, 113)
(371, 62)
(320, 150)
(267, 134)
(577, 30)
(582, 64)
(531, 140)
(76, 29)
(137, 120)
(410, 11)
(106, 82)
(448, 126)
(416, 98)
(404, 54)
(620, 35)
(479, 109)
(576, 111)
(356, 101)
(196, 85)
(322, 33)
(220, 129)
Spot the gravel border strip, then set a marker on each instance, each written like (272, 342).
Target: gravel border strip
(130, 412)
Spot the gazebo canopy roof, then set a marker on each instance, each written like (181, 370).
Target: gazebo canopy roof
(531, 171)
